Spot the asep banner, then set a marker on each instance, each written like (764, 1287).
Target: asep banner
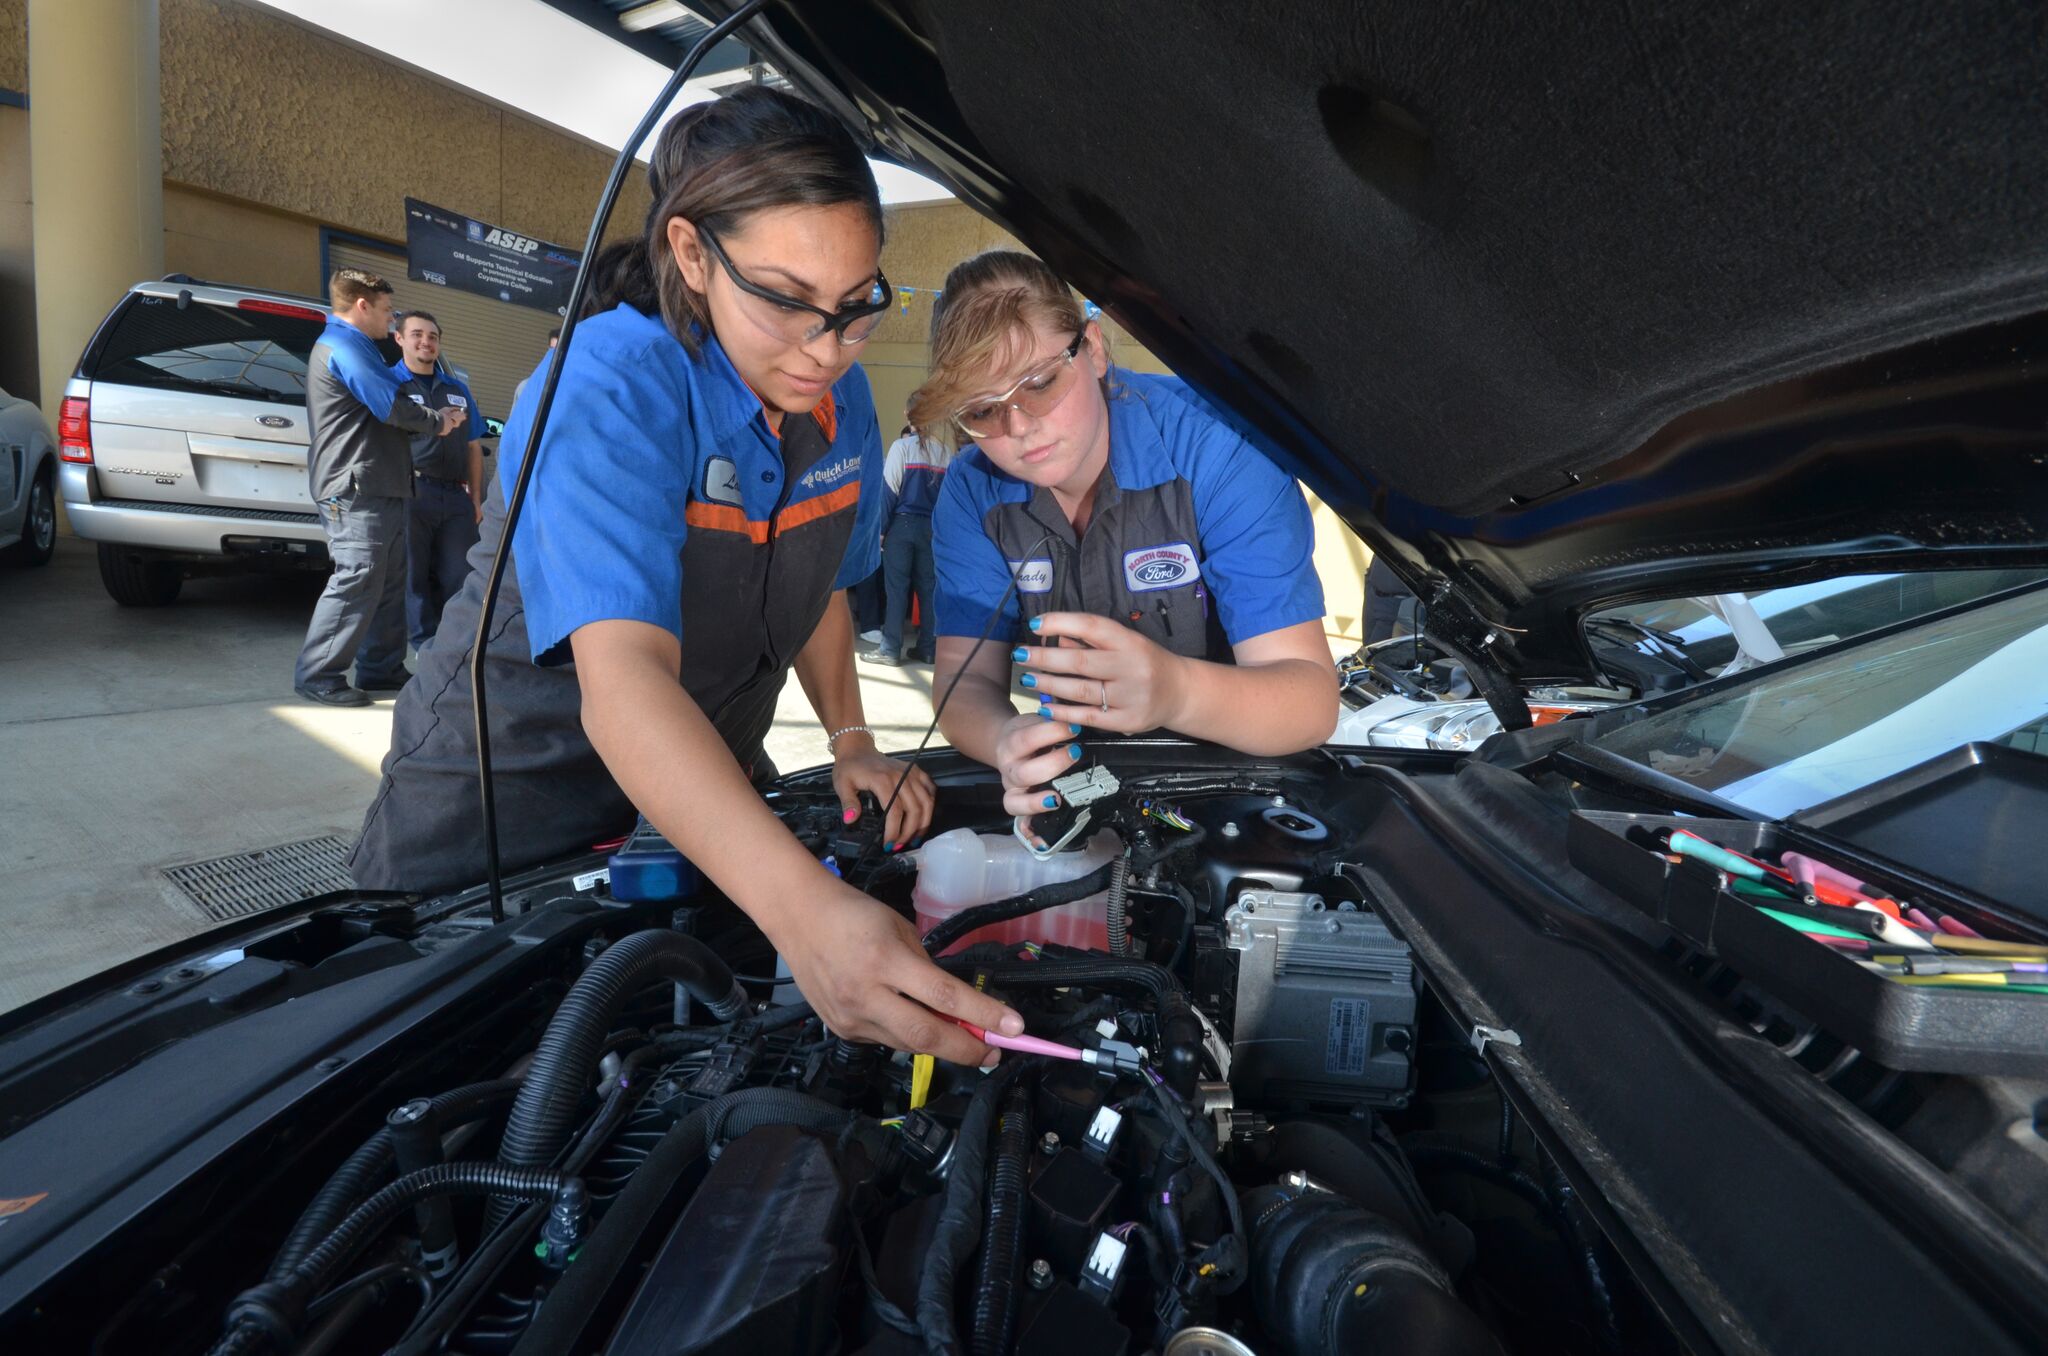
(451, 250)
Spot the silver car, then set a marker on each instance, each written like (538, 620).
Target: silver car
(28, 484)
(185, 442)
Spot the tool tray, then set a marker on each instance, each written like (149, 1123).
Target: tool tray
(1901, 1026)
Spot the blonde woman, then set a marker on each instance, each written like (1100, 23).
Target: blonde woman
(1163, 567)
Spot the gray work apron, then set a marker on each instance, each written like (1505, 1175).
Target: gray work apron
(748, 608)
(1139, 562)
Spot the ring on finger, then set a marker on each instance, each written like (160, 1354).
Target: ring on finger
(1105, 693)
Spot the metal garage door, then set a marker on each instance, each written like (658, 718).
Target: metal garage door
(495, 344)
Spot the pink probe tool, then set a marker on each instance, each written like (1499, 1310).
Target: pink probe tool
(1033, 1045)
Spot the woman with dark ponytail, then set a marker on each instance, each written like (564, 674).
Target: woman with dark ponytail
(710, 484)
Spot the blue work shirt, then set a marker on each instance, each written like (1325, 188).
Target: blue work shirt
(1196, 539)
(432, 455)
(663, 497)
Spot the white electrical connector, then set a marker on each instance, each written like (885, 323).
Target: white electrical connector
(1105, 1266)
(1102, 1131)
(1085, 788)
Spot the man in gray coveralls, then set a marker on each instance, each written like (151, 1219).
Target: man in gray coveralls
(359, 467)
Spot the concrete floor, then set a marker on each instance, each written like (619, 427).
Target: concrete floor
(134, 740)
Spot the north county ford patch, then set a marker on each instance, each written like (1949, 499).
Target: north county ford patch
(1033, 576)
(1160, 567)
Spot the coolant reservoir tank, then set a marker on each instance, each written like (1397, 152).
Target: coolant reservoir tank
(961, 869)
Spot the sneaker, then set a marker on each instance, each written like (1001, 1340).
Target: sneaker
(871, 637)
(340, 694)
(383, 683)
(925, 657)
(878, 655)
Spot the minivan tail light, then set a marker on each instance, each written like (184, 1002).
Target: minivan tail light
(281, 308)
(74, 430)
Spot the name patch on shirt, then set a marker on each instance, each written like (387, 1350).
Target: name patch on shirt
(417, 398)
(1033, 576)
(458, 402)
(721, 481)
(1160, 567)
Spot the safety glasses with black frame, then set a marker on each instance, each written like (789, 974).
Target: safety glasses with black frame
(797, 321)
(1036, 394)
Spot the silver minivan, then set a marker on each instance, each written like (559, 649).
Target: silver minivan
(183, 436)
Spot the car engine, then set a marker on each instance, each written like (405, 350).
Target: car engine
(1245, 1126)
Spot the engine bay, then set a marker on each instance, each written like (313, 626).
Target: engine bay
(1247, 1122)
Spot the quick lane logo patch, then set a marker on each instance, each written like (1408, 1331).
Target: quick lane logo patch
(721, 481)
(1033, 576)
(1160, 567)
(831, 474)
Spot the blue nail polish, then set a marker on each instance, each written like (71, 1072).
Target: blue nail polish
(1074, 751)
(1044, 699)
(1052, 802)
(1044, 713)
(1019, 655)
(1073, 729)
(1036, 622)
(892, 847)
(1029, 680)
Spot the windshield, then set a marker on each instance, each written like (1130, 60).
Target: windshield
(1670, 644)
(1814, 731)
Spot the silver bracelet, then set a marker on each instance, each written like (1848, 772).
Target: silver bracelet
(832, 740)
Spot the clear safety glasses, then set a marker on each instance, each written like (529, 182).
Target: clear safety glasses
(1037, 394)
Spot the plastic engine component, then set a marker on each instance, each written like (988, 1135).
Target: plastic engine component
(1070, 1202)
(1068, 1323)
(1325, 1002)
(755, 1262)
(1328, 1276)
(646, 867)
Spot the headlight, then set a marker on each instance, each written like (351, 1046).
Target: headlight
(1456, 726)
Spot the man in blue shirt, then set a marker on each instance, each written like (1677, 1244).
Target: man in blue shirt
(448, 491)
(359, 473)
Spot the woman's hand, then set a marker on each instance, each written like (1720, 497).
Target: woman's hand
(1114, 679)
(857, 767)
(1030, 752)
(860, 965)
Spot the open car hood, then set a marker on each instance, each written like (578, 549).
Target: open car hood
(1555, 307)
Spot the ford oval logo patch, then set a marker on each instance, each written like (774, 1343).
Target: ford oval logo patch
(273, 421)
(1160, 567)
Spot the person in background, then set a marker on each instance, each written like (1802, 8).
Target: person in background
(554, 337)
(359, 473)
(448, 495)
(867, 599)
(914, 470)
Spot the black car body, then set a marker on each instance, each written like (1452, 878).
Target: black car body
(1561, 308)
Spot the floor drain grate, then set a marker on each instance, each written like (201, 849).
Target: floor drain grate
(251, 882)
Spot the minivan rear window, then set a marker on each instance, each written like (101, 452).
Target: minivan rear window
(213, 350)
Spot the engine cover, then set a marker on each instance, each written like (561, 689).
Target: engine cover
(755, 1261)
(1325, 1002)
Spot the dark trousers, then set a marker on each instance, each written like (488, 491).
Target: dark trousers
(438, 534)
(907, 568)
(360, 617)
(867, 598)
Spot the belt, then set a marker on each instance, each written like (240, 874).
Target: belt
(437, 480)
